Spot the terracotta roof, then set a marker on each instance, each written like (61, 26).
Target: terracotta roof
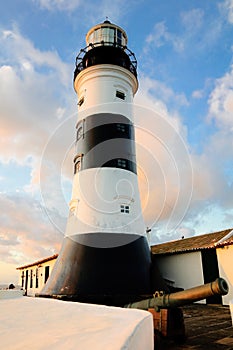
(207, 241)
(38, 262)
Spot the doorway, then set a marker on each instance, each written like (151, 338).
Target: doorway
(46, 275)
(26, 283)
(210, 272)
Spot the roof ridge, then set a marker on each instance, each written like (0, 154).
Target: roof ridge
(223, 239)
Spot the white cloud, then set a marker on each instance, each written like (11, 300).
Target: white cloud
(221, 101)
(195, 33)
(91, 10)
(164, 94)
(165, 169)
(31, 82)
(26, 232)
(161, 36)
(23, 55)
(160, 32)
(171, 171)
(36, 102)
(159, 236)
(59, 4)
(192, 20)
(201, 32)
(197, 94)
(227, 6)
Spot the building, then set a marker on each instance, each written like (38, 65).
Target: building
(34, 276)
(190, 262)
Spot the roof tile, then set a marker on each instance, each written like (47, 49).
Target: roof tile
(206, 241)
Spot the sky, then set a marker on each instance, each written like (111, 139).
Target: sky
(183, 117)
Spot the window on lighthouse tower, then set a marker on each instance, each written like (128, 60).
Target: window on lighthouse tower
(77, 167)
(121, 163)
(119, 37)
(79, 133)
(121, 127)
(124, 208)
(120, 95)
(81, 101)
(78, 163)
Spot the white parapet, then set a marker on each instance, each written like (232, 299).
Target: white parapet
(11, 293)
(38, 323)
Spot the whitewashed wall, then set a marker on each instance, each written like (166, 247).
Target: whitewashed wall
(31, 291)
(185, 270)
(225, 263)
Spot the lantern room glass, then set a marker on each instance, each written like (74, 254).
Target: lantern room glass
(108, 36)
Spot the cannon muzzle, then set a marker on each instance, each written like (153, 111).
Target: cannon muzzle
(188, 296)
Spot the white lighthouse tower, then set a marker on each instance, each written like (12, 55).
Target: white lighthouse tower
(105, 256)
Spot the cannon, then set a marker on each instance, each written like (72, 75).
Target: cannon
(167, 314)
(185, 297)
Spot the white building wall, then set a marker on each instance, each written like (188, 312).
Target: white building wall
(184, 270)
(33, 287)
(225, 262)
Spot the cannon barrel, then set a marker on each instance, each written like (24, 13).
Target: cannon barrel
(188, 296)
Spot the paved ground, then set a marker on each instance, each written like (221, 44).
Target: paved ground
(207, 327)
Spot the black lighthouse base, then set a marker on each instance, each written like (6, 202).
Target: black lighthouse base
(102, 268)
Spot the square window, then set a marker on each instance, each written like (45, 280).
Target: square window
(125, 209)
(121, 163)
(78, 163)
(121, 127)
(120, 95)
(79, 133)
(80, 102)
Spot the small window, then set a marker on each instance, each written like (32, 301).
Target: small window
(125, 209)
(121, 127)
(78, 163)
(79, 133)
(77, 167)
(80, 102)
(121, 163)
(119, 37)
(120, 95)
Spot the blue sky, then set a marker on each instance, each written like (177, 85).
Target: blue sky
(184, 102)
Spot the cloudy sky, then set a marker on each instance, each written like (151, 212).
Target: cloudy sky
(183, 117)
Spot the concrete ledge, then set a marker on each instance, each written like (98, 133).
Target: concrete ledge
(11, 293)
(37, 323)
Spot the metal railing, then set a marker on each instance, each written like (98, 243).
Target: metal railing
(80, 62)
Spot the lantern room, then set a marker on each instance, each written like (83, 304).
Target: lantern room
(106, 44)
(106, 33)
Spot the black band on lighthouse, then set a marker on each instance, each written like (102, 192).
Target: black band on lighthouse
(105, 140)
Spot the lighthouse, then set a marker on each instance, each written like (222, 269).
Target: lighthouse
(105, 256)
